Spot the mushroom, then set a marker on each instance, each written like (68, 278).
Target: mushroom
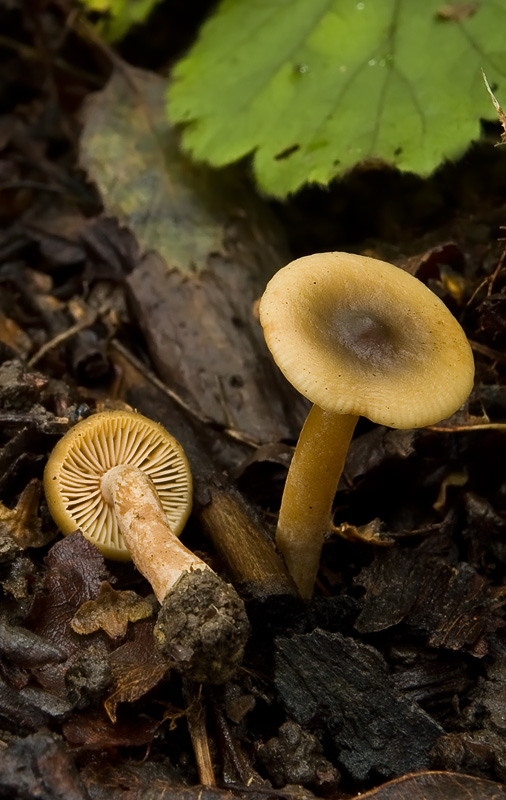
(357, 337)
(124, 481)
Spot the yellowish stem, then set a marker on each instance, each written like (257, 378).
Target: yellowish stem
(310, 488)
(155, 550)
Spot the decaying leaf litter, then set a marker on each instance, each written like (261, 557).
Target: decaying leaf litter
(398, 663)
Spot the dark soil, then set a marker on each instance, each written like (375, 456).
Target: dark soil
(398, 664)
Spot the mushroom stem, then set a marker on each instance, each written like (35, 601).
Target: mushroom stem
(309, 492)
(156, 552)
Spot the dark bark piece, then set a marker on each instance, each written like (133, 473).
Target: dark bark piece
(342, 691)
(30, 428)
(488, 704)
(437, 786)
(485, 530)
(39, 422)
(456, 607)
(202, 627)
(20, 713)
(391, 584)
(39, 767)
(450, 603)
(371, 450)
(55, 707)
(434, 678)
(26, 648)
(480, 747)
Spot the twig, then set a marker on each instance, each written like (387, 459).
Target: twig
(196, 718)
(148, 375)
(489, 280)
(85, 322)
(234, 759)
(487, 351)
(155, 381)
(483, 426)
(493, 277)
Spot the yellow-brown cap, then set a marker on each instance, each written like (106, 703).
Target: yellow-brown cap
(356, 335)
(73, 474)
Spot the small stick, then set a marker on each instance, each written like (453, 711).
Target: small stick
(482, 426)
(85, 322)
(196, 717)
(155, 381)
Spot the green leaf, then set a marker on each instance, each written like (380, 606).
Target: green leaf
(120, 15)
(311, 87)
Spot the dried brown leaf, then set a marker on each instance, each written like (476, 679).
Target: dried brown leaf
(131, 152)
(92, 731)
(75, 571)
(370, 533)
(136, 667)
(437, 786)
(132, 681)
(22, 523)
(111, 610)
(376, 447)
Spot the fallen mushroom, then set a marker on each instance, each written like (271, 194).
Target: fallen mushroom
(357, 337)
(124, 481)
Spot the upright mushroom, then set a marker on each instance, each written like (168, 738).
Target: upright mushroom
(124, 481)
(357, 337)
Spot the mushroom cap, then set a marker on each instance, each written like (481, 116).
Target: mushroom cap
(359, 336)
(73, 474)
